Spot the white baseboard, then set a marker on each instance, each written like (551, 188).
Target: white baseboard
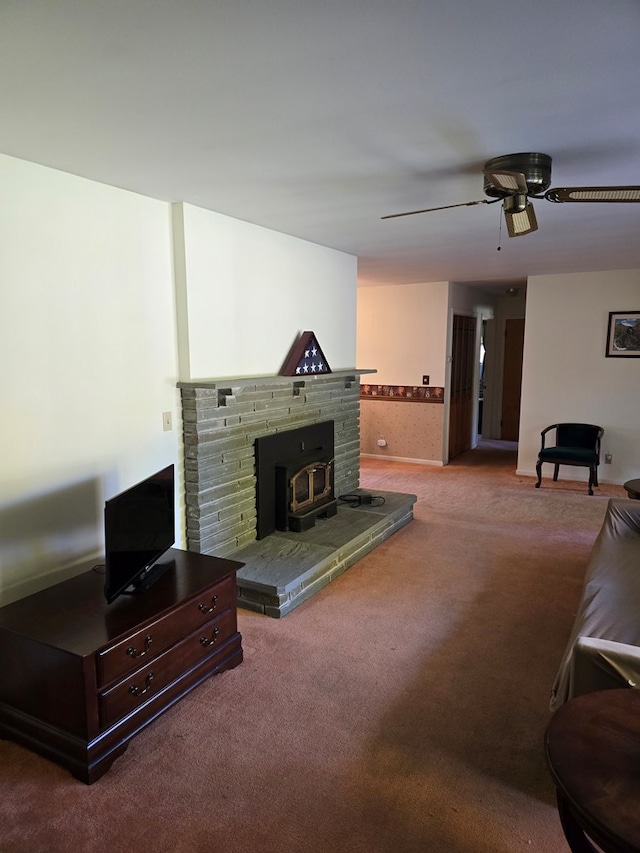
(436, 462)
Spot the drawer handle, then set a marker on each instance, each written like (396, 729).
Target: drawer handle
(134, 653)
(203, 607)
(140, 691)
(205, 641)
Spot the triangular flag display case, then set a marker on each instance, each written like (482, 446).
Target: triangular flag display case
(305, 358)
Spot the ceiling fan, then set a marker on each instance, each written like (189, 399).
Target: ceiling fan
(516, 178)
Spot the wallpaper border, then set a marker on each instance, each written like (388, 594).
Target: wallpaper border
(403, 393)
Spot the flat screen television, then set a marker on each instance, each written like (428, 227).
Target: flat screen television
(139, 527)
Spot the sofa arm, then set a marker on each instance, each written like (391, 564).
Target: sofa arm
(622, 518)
(603, 665)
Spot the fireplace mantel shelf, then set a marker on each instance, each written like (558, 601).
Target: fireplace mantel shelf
(270, 380)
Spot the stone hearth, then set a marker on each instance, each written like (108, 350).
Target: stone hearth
(286, 568)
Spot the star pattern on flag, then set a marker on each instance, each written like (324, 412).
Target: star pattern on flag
(312, 361)
(306, 358)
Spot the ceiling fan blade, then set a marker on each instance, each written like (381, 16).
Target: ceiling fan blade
(444, 207)
(505, 179)
(628, 195)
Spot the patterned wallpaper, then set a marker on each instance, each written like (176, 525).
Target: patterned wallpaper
(409, 432)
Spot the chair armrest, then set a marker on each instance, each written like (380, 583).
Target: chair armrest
(600, 434)
(603, 665)
(544, 432)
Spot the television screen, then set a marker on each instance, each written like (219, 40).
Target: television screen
(139, 527)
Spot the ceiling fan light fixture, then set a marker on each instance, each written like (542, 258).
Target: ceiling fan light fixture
(520, 222)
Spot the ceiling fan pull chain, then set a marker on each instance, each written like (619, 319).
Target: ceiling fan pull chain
(500, 233)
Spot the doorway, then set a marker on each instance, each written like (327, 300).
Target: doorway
(463, 359)
(502, 373)
(512, 379)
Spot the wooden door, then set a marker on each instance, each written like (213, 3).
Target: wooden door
(463, 354)
(512, 379)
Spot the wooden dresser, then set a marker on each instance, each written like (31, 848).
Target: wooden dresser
(79, 677)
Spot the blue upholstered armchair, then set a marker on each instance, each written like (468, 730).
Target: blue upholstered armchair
(576, 444)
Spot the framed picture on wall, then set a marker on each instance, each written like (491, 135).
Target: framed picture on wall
(623, 334)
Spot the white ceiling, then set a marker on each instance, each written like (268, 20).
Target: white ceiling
(317, 117)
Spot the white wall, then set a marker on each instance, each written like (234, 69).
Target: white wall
(402, 332)
(245, 293)
(566, 376)
(90, 346)
(89, 362)
(471, 301)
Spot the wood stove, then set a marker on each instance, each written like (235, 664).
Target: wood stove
(294, 471)
(309, 486)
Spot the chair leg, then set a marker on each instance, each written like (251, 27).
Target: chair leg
(590, 480)
(595, 476)
(539, 471)
(556, 468)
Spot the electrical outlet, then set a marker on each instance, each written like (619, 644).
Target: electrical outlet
(608, 458)
(166, 421)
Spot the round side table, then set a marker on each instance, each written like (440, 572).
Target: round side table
(633, 489)
(592, 746)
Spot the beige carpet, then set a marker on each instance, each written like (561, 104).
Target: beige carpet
(401, 709)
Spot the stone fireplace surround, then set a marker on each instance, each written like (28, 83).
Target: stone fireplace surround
(221, 420)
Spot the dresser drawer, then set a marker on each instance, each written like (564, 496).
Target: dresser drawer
(126, 656)
(145, 683)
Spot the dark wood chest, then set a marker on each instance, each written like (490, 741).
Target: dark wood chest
(79, 677)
